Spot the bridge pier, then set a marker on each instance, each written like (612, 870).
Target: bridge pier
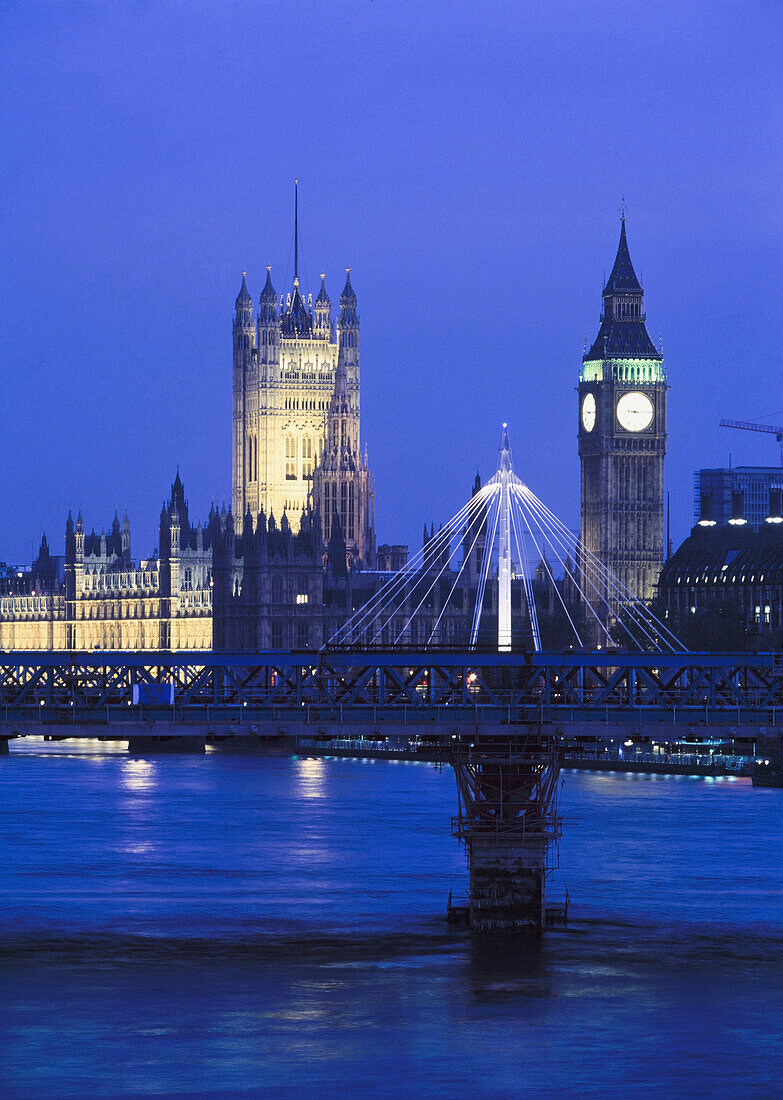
(4, 750)
(507, 821)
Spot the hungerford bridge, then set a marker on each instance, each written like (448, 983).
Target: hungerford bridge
(502, 717)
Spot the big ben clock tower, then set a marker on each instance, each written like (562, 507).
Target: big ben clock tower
(622, 439)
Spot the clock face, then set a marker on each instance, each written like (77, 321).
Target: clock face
(635, 412)
(588, 412)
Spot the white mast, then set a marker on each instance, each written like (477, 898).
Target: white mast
(504, 545)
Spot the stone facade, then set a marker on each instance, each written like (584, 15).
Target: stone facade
(622, 439)
(105, 600)
(296, 399)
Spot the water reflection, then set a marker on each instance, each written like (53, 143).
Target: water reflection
(311, 776)
(138, 775)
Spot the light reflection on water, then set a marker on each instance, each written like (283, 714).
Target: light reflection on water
(311, 774)
(216, 924)
(138, 775)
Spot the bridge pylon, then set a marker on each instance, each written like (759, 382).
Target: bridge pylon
(508, 821)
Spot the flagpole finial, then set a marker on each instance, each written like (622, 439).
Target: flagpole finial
(296, 232)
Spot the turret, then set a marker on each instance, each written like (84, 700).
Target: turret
(323, 312)
(176, 531)
(79, 537)
(116, 537)
(475, 535)
(267, 328)
(126, 538)
(244, 336)
(74, 573)
(342, 426)
(349, 330)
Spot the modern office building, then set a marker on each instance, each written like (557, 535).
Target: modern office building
(739, 493)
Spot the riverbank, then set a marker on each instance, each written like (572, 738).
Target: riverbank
(374, 750)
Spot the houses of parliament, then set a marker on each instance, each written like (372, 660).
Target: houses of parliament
(296, 553)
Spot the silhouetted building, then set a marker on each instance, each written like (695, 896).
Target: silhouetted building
(268, 583)
(724, 584)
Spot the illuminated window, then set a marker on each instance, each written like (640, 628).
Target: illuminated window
(290, 458)
(307, 457)
(301, 597)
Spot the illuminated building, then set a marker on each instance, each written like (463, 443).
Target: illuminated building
(296, 440)
(103, 599)
(622, 437)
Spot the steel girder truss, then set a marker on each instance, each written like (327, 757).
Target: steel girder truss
(333, 680)
(504, 797)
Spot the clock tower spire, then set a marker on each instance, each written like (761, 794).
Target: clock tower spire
(622, 439)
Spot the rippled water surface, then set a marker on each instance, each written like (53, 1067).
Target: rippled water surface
(236, 925)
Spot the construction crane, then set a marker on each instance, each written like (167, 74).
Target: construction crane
(753, 426)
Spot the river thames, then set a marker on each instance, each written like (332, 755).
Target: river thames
(250, 926)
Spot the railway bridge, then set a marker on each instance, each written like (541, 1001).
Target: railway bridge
(503, 719)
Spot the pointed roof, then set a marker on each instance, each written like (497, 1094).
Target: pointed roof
(323, 297)
(622, 335)
(622, 279)
(349, 294)
(296, 319)
(243, 298)
(268, 294)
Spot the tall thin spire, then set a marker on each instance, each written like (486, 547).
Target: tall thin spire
(296, 232)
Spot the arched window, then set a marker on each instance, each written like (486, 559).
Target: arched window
(277, 589)
(290, 458)
(307, 457)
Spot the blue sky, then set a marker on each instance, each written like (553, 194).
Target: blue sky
(466, 160)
